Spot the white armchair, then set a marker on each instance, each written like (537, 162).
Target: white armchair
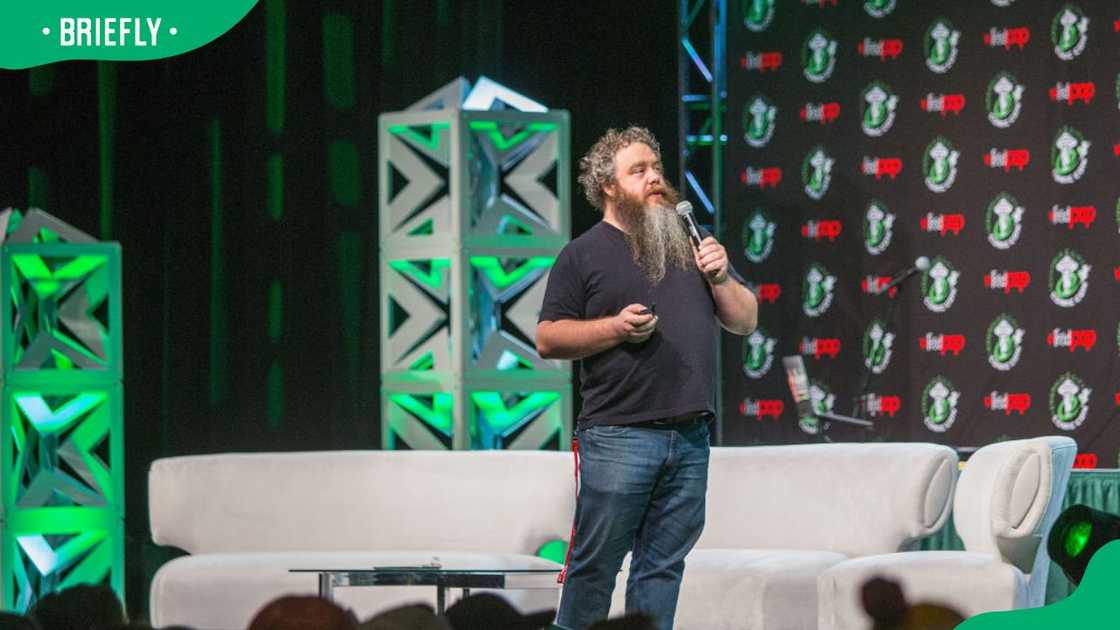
(1007, 498)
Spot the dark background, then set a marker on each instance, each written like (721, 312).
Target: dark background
(249, 328)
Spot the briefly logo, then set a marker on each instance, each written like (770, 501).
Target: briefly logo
(878, 346)
(1007, 280)
(1004, 342)
(817, 291)
(1070, 93)
(1069, 32)
(816, 172)
(1072, 338)
(758, 14)
(822, 347)
(761, 409)
(939, 163)
(1007, 37)
(942, 223)
(877, 166)
(943, 103)
(1069, 401)
(822, 229)
(939, 404)
(759, 117)
(882, 48)
(767, 292)
(878, 228)
(1007, 159)
(941, 43)
(1004, 221)
(942, 343)
(818, 56)
(823, 113)
(1008, 402)
(1004, 100)
(878, 109)
(758, 354)
(758, 237)
(1069, 278)
(939, 286)
(1069, 155)
(1070, 216)
(762, 177)
(761, 61)
(875, 405)
(878, 8)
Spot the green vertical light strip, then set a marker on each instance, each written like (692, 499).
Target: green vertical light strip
(388, 36)
(275, 197)
(344, 173)
(275, 395)
(350, 272)
(275, 63)
(338, 60)
(106, 123)
(38, 194)
(218, 328)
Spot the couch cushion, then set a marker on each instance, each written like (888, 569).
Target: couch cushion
(224, 591)
(970, 583)
(744, 588)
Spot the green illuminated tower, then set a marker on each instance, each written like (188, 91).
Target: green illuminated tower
(62, 474)
(474, 207)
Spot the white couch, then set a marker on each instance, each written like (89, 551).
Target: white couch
(778, 517)
(1007, 498)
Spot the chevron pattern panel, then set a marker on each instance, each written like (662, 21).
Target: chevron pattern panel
(61, 418)
(474, 207)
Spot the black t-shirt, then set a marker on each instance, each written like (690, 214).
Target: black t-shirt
(671, 373)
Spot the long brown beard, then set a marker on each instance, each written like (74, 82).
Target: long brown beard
(656, 236)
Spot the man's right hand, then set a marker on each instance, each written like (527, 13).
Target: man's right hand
(634, 326)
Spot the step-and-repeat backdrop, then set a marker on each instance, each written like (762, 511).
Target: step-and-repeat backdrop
(982, 137)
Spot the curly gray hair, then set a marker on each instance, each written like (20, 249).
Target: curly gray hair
(596, 169)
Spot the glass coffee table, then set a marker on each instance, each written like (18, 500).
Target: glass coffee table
(439, 577)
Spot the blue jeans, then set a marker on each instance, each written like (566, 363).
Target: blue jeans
(641, 489)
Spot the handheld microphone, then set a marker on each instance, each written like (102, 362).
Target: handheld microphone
(921, 263)
(684, 211)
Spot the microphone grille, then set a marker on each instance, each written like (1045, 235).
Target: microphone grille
(922, 263)
(684, 208)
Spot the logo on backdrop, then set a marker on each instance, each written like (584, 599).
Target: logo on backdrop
(816, 172)
(1004, 342)
(878, 8)
(1007, 280)
(823, 113)
(761, 177)
(1004, 221)
(880, 166)
(939, 163)
(1069, 156)
(821, 229)
(818, 56)
(758, 14)
(876, 405)
(943, 103)
(1069, 32)
(1071, 216)
(758, 353)
(877, 109)
(822, 399)
(878, 227)
(822, 347)
(882, 48)
(1007, 159)
(1070, 93)
(758, 236)
(1069, 401)
(1069, 278)
(942, 223)
(942, 343)
(939, 404)
(817, 291)
(758, 121)
(761, 61)
(1008, 402)
(1007, 37)
(1072, 338)
(1004, 100)
(878, 345)
(939, 285)
(941, 45)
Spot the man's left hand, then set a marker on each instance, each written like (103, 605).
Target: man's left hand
(711, 260)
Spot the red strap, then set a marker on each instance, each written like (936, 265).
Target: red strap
(572, 539)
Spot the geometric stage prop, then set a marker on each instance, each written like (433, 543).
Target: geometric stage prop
(474, 207)
(61, 450)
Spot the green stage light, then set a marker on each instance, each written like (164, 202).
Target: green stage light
(1077, 534)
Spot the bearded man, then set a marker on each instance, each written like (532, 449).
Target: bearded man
(638, 306)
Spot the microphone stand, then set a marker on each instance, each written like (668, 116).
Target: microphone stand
(860, 401)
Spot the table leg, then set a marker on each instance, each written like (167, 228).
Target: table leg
(326, 586)
(441, 598)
